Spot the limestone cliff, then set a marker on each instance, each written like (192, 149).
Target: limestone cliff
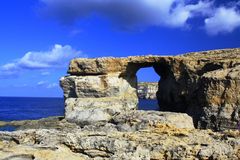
(205, 85)
(147, 90)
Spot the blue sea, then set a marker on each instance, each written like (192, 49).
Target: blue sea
(16, 108)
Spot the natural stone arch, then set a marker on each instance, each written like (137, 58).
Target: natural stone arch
(98, 72)
(205, 85)
(169, 94)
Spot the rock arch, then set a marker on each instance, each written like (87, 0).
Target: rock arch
(202, 84)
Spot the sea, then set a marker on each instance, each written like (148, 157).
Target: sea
(29, 108)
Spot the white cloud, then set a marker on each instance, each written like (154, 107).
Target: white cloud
(52, 85)
(129, 13)
(224, 20)
(219, 17)
(58, 57)
(41, 83)
(8, 74)
(9, 66)
(47, 85)
(45, 73)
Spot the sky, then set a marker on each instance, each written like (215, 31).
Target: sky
(40, 37)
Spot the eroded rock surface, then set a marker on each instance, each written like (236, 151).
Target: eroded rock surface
(205, 85)
(134, 135)
(101, 121)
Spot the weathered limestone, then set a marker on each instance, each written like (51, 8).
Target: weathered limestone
(91, 99)
(205, 85)
(141, 135)
(222, 100)
(87, 111)
(110, 85)
(101, 100)
(147, 90)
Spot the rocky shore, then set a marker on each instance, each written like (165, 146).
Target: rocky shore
(198, 93)
(134, 135)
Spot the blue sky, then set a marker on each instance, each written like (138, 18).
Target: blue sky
(39, 37)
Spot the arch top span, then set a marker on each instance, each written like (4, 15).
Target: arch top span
(123, 66)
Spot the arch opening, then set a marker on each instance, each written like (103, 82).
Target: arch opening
(147, 87)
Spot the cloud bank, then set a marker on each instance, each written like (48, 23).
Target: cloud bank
(56, 58)
(224, 20)
(144, 13)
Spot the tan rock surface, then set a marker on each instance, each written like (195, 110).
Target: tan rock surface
(204, 85)
(101, 97)
(157, 140)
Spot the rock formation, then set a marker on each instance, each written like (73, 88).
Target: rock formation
(101, 99)
(133, 135)
(147, 90)
(205, 85)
